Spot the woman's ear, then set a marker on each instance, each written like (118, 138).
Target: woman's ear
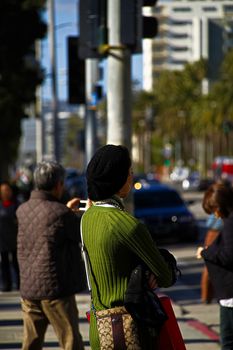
(217, 213)
(126, 188)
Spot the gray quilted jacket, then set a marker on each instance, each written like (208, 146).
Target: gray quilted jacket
(48, 248)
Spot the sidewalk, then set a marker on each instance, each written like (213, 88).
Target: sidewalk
(11, 324)
(198, 324)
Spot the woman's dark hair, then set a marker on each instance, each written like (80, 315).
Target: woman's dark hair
(47, 174)
(218, 197)
(7, 183)
(107, 171)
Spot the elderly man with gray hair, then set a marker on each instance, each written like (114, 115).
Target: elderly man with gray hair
(49, 258)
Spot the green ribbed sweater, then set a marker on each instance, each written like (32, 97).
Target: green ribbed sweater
(116, 243)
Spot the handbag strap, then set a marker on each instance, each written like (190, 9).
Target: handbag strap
(85, 258)
(112, 202)
(87, 265)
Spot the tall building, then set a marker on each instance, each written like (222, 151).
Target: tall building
(188, 31)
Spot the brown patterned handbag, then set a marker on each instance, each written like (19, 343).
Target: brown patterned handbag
(117, 330)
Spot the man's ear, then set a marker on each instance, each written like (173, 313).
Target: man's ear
(58, 189)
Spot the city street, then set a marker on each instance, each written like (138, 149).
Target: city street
(11, 325)
(154, 77)
(199, 323)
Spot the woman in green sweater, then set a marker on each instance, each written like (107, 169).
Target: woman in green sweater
(116, 242)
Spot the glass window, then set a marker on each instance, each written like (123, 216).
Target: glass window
(228, 8)
(179, 49)
(180, 23)
(182, 9)
(179, 35)
(209, 9)
(180, 62)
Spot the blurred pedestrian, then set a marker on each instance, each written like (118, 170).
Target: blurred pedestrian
(8, 238)
(218, 256)
(116, 242)
(213, 225)
(24, 183)
(49, 257)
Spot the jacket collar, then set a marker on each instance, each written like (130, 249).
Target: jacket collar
(39, 194)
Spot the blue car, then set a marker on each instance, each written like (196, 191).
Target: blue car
(164, 212)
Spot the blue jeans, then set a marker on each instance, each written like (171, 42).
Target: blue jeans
(226, 327)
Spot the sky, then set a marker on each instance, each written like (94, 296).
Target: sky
(66, 24)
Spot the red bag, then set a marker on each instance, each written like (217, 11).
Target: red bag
(170, 337)
(88, 316)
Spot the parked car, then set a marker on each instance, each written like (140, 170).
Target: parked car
(165, 213)
(146, 178)
(179, 174)
(205, 184)
(191, 183)
(194, 182)
(223, 168)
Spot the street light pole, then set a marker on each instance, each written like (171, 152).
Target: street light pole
(119, 85)
(119, 81)
(90, 119)
(38, 112)
(52, 46)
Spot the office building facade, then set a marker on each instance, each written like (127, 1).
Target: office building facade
(188, 31)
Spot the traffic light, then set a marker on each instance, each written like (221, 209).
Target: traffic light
(76, 73)
(92, 27)
(99, 91)
(149, 2)
(134, 25)
(149, 23)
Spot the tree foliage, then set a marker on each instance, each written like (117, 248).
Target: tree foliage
(21, 25)
(176, 93)
(183, 112)
(222, 91)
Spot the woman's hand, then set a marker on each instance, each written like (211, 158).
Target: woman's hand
(152, 282)
(198, 253)
(73, 204)
(88, 204)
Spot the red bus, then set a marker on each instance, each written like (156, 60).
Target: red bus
(223, 168)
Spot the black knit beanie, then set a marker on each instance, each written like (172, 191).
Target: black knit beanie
(107, 171)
